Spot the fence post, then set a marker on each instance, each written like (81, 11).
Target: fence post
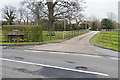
(63, 35)
(74, 32)
(50, 36)
(60, 35)
(110, 39)
(103, 37)
(66, 34)
(70, 34)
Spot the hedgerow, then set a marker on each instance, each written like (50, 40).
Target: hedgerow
(32, 33)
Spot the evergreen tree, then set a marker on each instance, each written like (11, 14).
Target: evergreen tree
(107, 24)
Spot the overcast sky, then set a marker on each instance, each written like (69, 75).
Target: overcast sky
(98, 8)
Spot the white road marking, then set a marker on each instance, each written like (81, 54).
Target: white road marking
(32, 51)
(65, 53)
(114, 58)
(90, 55)
(43, 65)
(55, 52)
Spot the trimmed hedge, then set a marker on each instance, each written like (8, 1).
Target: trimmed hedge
(32, 33)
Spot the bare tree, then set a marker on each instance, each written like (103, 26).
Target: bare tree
(9, 13)
(95, 20)
(26, 17)
(111, 16)
(21, 15)
(55, 9)
(79, 18)
(36, 10)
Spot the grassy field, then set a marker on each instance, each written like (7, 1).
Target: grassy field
(57, 37)
(108, 40)
(0, 35)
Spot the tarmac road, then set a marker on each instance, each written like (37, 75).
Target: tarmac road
(79, 44)
(43, 64)
(60, 60)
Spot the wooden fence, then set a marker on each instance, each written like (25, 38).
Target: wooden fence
(111, 38)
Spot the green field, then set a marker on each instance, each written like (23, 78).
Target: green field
(57, 37)
(108, 40)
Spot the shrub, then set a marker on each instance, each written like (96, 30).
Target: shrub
(32, 33)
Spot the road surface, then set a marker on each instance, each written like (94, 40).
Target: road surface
(25, 63)
(42, 64)
(79, 44)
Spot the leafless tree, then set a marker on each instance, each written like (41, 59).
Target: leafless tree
(36, 9)
(96, 20)
(23, 15)
(79, 18)
(55, 9)
(21, 12)
(9, 13)
(111, 16)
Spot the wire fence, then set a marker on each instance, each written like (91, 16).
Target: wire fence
(63, 34)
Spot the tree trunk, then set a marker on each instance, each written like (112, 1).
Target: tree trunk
(27, 20)
(51, 18)
(24, 22)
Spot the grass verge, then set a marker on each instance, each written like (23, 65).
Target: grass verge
(96, 40)
(46, 39)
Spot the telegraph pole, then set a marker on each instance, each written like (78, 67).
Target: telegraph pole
(64, 24)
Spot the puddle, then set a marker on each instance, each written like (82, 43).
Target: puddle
(59, 73)
(81, 68)
(24, 70)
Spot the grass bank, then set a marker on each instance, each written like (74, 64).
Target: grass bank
(107, 39)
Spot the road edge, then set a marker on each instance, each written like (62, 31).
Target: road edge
(33, 43)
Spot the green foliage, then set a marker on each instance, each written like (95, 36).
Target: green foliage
(68, 27)
(107, 24)
(59, 27)
(94, 26)
(57, 37)
(32, 33)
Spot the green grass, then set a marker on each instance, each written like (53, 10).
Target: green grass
(109, 40)
(58, 33)
(0, 35)
(47, 39)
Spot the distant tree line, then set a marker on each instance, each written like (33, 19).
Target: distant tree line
(32, 12)
(46, 12)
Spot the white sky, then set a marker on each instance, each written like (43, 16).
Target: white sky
(98, 8)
